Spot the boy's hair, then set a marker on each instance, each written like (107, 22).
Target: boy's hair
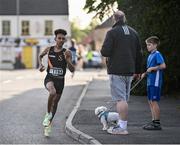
(153, 40)
(60, 31)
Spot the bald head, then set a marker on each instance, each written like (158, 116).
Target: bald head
(120, 16)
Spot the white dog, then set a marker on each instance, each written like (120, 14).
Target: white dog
(106, 117)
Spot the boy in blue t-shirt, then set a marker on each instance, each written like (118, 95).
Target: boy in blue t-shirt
(155, 66)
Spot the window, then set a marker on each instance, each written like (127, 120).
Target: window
(25, 28)
(48, 27)
(6, 29)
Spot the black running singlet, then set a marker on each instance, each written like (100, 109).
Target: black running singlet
(56, 63)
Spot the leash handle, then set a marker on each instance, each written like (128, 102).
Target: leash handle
(137, 82)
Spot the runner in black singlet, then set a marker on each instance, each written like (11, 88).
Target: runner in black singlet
(58, 60)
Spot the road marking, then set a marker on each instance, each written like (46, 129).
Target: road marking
(7, 81)
(19, 78)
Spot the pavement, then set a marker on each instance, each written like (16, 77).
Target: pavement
(85, 127)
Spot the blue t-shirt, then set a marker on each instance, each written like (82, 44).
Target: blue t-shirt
(155, 78)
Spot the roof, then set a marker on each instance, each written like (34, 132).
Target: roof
(106, 24)
(34, 7)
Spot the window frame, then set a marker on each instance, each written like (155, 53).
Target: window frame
(48, 29)
(25, 28)
(6, 28)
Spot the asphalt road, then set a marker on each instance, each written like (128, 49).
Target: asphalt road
(23, 102)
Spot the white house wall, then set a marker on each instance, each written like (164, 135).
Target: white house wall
(37, 30)
(13, 20)
(37, 24)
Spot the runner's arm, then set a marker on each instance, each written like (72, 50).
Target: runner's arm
(68, 57)
(42, 54)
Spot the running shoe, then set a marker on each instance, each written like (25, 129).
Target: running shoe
(47, 119)
(47, 130)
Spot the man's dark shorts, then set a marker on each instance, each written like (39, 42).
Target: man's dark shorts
(58, 83)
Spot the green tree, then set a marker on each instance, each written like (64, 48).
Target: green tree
(78, 34)
(101, 7)
(152, 17)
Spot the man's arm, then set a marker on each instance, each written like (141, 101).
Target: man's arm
(107, 45)
(138, 60)
(139, 57)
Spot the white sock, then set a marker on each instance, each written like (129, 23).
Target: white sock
(122, 124)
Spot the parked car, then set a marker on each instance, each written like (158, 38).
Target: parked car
(95, 62)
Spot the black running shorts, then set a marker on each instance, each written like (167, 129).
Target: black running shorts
(58, 83)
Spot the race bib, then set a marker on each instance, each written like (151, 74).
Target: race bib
(56, 71)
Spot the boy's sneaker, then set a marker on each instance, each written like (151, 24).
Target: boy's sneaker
(117, 130)
(47, 119)
(153, 126)
(47, 130)
(147, 124)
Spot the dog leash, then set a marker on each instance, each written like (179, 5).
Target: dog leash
(136, 83)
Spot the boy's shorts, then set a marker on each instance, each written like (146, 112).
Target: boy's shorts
(153, 93)
(120, 87)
